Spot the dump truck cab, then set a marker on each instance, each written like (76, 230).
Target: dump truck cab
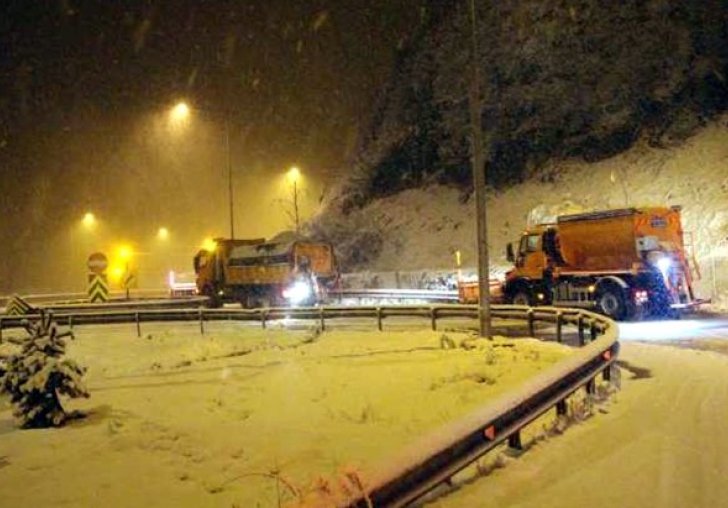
(287, 270)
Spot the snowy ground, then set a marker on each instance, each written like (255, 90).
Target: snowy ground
(243, 417)
(246, 417)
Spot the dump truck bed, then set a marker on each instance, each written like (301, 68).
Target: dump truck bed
(614, 240)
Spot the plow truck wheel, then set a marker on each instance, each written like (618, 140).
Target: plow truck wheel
(611, 302)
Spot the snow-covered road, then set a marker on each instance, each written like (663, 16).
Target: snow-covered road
(662, 441)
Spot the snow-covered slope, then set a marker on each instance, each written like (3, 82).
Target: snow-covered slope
(423, 228)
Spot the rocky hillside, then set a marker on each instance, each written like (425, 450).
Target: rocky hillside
(559, 79)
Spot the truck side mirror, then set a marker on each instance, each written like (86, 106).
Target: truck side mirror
(510, 256)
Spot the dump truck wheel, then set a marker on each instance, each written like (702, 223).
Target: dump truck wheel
(522, 297)
(213, 300)
(611, 302)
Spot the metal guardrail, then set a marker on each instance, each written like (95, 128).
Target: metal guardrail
(435, 459)
(587, 327)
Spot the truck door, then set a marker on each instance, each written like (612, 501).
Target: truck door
(531, 259)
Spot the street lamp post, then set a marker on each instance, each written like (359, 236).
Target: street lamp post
(293, 175)
(479, 182)
(230, 175)
(180, 112)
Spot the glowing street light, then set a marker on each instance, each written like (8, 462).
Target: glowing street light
(89, 221)
(163, 234)
(181, 112)
(293, 176)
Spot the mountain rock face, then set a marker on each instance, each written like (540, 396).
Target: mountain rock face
(559, 79)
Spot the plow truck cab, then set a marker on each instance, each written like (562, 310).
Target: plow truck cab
(624, 263)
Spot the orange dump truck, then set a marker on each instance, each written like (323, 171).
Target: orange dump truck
(624, 263)
(287, 270)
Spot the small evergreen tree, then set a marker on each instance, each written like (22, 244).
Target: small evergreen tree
(38, 375)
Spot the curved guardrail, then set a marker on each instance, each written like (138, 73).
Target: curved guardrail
(588, 325)
(433, 460)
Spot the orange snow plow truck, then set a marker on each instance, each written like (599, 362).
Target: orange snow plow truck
(288, 270)
(624, 263)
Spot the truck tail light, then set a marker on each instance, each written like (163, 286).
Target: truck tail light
(641, 296)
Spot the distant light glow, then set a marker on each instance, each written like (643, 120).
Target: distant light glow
(163, 233)
(89, 220)
(294, 175)
(180, 112)
(125, 252)
(209, 245)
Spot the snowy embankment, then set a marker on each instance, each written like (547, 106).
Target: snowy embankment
(423, 229)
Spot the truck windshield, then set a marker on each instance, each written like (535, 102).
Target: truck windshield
(529, 243)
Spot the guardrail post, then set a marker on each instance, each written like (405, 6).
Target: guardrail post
(593, 332)
(202, 322)
(559, 326)
(580, 326)
(433, 318)
(263, 316)
(379, 318)
(322, 320)
(138, 324)
(561, 408)
(514, 441)
(591, 387)
(70, 322)
(1, 329)
(607, 373)
(531, 327)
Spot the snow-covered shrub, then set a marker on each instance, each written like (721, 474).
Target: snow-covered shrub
(38, 375)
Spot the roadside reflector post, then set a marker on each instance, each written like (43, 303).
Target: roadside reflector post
(379, 318)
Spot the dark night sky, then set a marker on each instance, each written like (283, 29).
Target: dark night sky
(85, 90)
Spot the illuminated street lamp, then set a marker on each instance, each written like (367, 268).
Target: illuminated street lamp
(163, 234)
(181, 112)
(89, 221)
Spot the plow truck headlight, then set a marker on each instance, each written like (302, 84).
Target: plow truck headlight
(663, 264)
(297, 292)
